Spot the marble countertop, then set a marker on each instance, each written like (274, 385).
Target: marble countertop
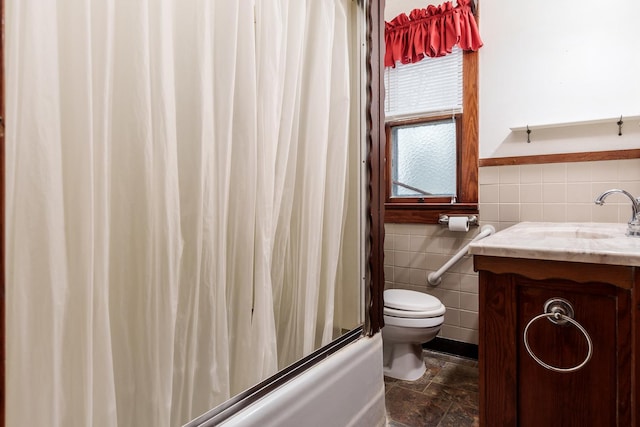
(597, 243)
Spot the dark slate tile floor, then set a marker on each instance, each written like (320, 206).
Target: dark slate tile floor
(446, 395)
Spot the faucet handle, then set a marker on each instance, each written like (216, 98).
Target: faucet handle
(633, 227)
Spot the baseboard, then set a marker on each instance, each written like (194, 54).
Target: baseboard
(457, 348)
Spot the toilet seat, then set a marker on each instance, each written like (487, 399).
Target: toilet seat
(414, 314)
(408, 304)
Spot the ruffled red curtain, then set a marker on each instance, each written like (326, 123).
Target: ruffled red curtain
(430, 32)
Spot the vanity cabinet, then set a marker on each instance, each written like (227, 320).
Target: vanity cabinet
(516, 390)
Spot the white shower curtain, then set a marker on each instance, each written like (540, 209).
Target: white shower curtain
(175, 184)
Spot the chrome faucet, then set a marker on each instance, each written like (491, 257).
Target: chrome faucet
(633, 228)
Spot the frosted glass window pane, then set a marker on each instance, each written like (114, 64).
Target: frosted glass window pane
(424, 159)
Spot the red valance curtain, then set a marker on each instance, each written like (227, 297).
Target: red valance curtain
(430, 32)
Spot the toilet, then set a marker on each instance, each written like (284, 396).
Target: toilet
(411, 318)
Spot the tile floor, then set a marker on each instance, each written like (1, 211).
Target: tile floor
(446, 395)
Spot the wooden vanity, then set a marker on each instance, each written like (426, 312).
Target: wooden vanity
(577, 371)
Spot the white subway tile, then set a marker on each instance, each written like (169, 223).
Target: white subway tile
(418, 229)
(510, 193)
(432, 229)
(433, 245)
(449, 332)
(553, 193)
(405, 228)
(435, 261)
(531, 212)
(401, 275)
(468, 319)
(402, 258)
(554, 212)
(579, 212)
(509, 212)
(451, 245)
(554, 172)
(579, 193)
(629, 170)
(489, 212)
(401, 242)
(579, 172)
(632, 187)
(605, 170)
(624, 215)
(598, 188)
(509, 174)
(469, 283)
(418, 260)
(489, 175)
(418, 243)
(469, 301)
(450, 281)
(452, 317)
(531, 193)
(506, 224)
(489, 193)
(418, 277)
(531, 174)
(605, 213)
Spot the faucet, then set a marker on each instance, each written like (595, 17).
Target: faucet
(633, 228)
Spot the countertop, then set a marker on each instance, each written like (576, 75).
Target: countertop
(597, 243)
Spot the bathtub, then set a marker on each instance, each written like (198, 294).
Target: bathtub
(344, 388)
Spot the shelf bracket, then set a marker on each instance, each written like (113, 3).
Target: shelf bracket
(620, 123)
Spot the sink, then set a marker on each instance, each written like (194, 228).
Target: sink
(589, 242)
(568, 233)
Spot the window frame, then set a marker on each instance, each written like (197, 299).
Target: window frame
(389, 125)
(428, 210)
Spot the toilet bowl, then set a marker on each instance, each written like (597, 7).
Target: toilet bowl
(411, 318)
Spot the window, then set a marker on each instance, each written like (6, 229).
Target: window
(432, 138)
(423, 159)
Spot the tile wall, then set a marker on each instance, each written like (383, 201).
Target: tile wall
(557, 192)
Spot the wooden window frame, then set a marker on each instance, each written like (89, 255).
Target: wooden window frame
(428, 210)
(389, 126)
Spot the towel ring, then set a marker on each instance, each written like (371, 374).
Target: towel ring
(560, 312)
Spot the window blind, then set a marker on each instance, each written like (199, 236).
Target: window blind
(432, 86)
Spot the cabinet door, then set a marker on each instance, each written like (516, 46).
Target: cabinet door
(585, 397)
(517, 391)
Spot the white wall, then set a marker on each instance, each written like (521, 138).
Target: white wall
(547, 61)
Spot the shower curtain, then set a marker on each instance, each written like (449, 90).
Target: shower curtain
(175, 191)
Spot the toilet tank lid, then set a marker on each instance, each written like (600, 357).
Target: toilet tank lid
(404, 299)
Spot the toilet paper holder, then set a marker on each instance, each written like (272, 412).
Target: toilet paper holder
(444, 219)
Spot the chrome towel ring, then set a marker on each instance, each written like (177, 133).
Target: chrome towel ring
(560, 312)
